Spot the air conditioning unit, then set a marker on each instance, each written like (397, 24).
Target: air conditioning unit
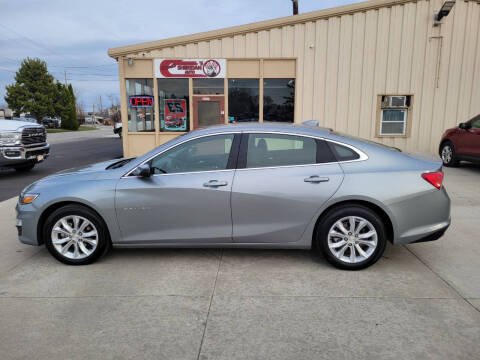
(397, 101)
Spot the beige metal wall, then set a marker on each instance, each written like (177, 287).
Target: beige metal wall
(344, 62)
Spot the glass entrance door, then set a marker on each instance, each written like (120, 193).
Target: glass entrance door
(208, 110)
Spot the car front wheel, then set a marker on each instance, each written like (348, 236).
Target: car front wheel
(75, 235)
(351, 237)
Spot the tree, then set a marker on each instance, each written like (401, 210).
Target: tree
(65, 107)
(33, 91)
(72, 109)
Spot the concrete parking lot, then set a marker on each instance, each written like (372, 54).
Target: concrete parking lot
(419, 301)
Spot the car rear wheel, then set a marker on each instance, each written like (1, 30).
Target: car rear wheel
(351, 237)
(75, 235)
(447, 152)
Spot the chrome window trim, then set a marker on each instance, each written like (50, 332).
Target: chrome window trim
(362, 155)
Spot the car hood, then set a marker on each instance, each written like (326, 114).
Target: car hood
(101, 166)
(81, 173)
(12, 125)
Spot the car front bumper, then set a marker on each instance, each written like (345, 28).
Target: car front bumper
(26, 224)
(12, 155)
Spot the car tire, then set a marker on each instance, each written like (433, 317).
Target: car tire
(25, 167)
(366, 250)
(81, 250)
(447, 153)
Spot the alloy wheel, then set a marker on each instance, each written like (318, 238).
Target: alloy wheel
(74, 237)
(352, 239)
(447, 154)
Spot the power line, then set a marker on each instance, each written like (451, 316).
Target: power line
(39, 45)
(92, 80)
(5, 69)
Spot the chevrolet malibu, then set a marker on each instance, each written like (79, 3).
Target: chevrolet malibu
(243, 186)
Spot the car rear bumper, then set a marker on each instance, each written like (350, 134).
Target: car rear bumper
(424, 218)
(13, 155)
(433, 236)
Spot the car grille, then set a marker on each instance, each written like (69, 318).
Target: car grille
(33, 136)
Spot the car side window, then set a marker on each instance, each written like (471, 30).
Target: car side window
(266, 150)
(475, 123)
(204, 154)
(343, 153)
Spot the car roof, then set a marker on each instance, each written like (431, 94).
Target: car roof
(266, 126)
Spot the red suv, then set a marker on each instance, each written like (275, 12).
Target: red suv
(461, 143)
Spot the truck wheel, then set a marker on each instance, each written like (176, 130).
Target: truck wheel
(24, 168)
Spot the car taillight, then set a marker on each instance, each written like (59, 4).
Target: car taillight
(434, 178)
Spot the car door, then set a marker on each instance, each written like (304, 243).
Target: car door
(280, 184)
(187, 198)
(471, 138)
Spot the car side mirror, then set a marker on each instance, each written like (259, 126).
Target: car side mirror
(143, 170)
(464, 126)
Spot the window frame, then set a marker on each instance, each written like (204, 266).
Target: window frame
(231, 164)
(144, 108)
(322, 144)
(408, 116)
(238, 152)
(404, 122)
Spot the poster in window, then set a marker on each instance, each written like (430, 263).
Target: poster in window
(176, 114)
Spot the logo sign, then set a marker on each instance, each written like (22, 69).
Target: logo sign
(175, 114)
(194, 68)
(141, 101)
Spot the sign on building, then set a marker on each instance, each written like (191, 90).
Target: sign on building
(186, 68)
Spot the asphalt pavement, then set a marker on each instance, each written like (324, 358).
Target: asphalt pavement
(67, 151)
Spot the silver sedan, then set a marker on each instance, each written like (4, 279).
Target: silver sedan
(255, 186)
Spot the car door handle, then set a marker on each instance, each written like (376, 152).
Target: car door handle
(215, 183)
(316, 179)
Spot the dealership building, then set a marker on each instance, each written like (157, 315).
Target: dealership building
(398, 72)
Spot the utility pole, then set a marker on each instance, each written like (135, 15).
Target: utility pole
(295, 7)
(101, 106)
(65, 76)
(93, 114)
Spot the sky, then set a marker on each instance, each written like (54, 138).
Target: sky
(74, 36)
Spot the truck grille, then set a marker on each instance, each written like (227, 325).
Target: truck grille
(33, 136)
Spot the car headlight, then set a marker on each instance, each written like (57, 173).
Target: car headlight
(27, 198)
(10, 138)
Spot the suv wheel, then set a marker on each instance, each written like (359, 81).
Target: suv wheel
(351, 237)
(75, 235)
(447, 152)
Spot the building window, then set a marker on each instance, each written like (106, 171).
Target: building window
(243, 95)
(173, 104)
(140, 105)
(208, 87)
(394, 114)
(278, 100)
